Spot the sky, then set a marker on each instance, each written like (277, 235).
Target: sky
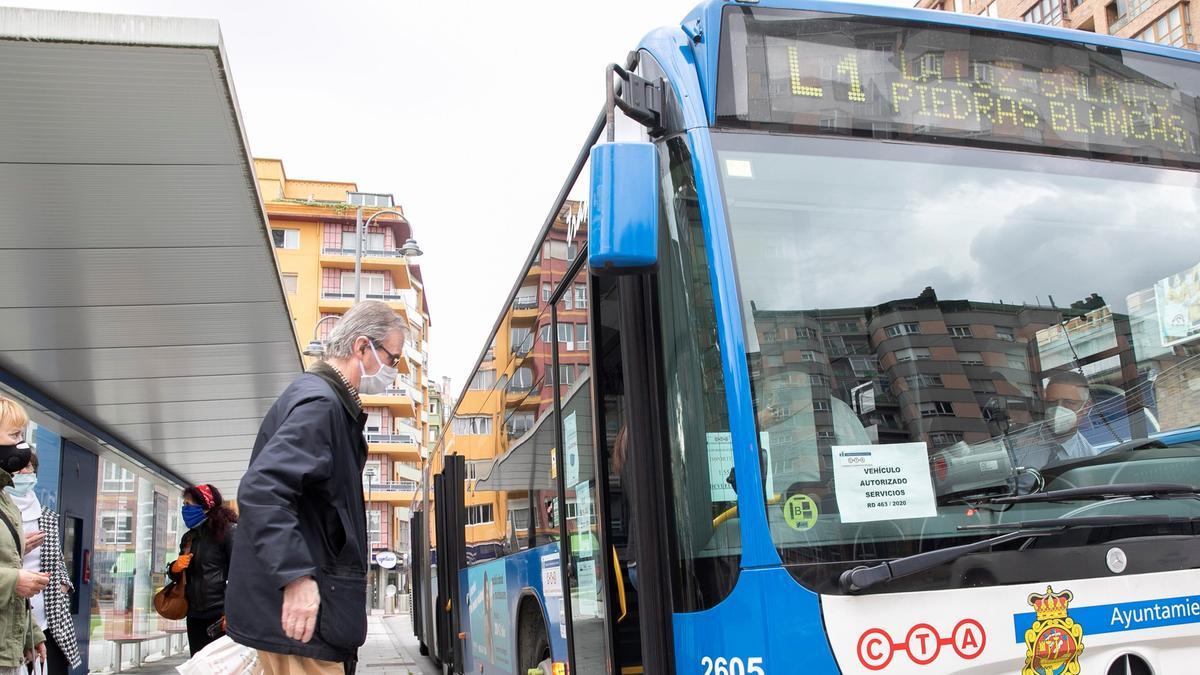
(470, 113)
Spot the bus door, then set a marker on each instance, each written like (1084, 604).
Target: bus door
(451, 557)
(619, 587)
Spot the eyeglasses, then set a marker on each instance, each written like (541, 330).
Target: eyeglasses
(393, 359)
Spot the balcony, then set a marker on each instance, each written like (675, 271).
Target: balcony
(341, 299)
(394, 399)
(390, 492)
(373, 260)
(405, 446)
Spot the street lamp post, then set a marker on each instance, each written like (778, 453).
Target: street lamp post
(408, 250)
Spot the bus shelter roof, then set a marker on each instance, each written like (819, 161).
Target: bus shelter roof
(142, 300)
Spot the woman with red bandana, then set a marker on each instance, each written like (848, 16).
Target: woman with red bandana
(204, 555)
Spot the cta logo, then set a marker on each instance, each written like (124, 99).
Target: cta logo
(922, 644)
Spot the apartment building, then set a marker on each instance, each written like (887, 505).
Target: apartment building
(1165, 22)
(313, 224)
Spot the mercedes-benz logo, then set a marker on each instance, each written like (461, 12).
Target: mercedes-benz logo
(1116, 559)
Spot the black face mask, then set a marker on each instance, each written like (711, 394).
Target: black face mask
(13, 458)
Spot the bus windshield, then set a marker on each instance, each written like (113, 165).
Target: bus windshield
(930, 326)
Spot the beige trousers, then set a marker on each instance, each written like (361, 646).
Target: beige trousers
(286, 664)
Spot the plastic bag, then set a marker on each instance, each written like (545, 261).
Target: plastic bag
(223, 657)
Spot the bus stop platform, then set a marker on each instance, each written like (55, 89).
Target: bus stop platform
(385, 652)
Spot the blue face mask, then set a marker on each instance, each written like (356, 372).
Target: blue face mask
(23, 483)
(193, 515)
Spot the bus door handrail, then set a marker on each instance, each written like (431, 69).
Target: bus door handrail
(620, 585)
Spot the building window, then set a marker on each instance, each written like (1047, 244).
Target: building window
(547, 291)
(375, 529)
(820, 406)
(970, 358)
(484, 380)
(808, 356)
(922, 380)
(944, 438)
(983, 386)
(433, 407)
(479, 514)
(903, 329)
(1004, 333)
(286, 238)
(937, 409)
(369, 199)
(522, 379)
(1016, 362)
(116, 527)
(373, 283)
(581, 299)
(863, 365)
(566, 335)
(566, 373)
(544, 333)
(773, 360)
(472, 425)
(581, 336)
(290, 283)
(521, 339)
(960, 331)
(826, 435)
(1170, 29)
(1048, 12)
(913, 354)
(527, 298)
(519, 424)
(117, 478)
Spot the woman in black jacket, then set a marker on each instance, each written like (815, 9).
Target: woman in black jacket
(204, 555)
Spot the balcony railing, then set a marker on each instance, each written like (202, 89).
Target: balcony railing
(400, 486)
(406, 439)
(367, 252)
(525, 303)
(337, 294)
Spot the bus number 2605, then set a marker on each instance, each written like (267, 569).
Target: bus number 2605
(734, 666)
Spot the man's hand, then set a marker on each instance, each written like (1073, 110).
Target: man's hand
(301, 600)
(30, 584)
(41, 651)
(34, 540)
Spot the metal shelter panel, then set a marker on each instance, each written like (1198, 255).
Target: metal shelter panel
(141, 289)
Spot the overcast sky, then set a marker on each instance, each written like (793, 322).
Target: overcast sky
(470, 113)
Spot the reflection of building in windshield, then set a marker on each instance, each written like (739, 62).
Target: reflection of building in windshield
(909, 369)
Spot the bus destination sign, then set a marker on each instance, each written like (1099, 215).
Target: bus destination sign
(846, 75)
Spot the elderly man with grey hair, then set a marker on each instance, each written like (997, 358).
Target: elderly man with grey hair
(301, 544)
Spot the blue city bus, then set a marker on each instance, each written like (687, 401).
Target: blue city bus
(835, 354)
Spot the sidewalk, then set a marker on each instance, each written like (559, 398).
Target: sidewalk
(386, 651)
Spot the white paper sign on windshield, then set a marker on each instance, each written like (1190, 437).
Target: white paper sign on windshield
(883, 482)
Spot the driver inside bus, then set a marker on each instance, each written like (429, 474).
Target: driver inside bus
(1056, 439)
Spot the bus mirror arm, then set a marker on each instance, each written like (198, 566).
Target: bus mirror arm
(861, 578)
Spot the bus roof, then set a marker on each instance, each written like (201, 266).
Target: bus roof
(705, 21)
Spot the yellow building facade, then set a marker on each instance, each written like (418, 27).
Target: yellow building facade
(313, 226)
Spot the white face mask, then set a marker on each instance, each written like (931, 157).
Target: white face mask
(377, 382)
(1062, 418)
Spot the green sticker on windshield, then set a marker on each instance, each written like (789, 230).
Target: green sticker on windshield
(800, 512)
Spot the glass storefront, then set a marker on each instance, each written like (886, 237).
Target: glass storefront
(137, 533)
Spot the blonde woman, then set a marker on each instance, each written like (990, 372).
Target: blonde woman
(17, 585)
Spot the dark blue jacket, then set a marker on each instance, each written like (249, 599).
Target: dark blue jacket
(302, 514)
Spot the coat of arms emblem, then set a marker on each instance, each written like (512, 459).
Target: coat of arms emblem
(1054, 642)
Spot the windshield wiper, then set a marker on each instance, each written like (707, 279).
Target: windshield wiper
(1085, 521)
(863, 577)
(1154, 490)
